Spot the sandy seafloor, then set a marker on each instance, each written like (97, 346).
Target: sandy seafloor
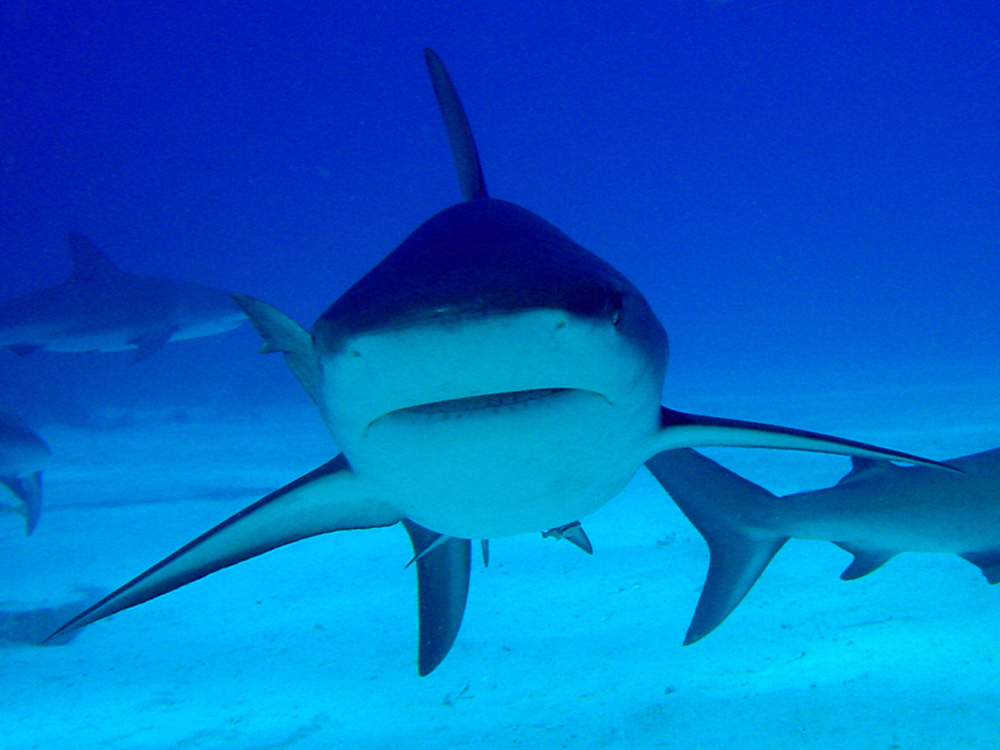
(314, 645)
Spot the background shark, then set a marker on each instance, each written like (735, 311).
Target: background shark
(875, 512)
(100, 308)
(23, 456)
(489, 377)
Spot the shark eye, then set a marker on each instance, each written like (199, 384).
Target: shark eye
(616, 306)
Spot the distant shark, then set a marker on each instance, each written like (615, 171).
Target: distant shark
(875, 512)
(489, 377)
(100, 308)
(23, 456)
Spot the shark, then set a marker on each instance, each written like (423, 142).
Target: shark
(23, 457)
(489, 377)
(101, 308)
(876, 511)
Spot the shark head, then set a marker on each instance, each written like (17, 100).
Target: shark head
(487, 305)
(487, 323)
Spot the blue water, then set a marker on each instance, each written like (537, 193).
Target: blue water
(807, 192)
(797, 187)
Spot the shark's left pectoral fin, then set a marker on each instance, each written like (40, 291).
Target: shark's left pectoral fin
(443, 565)
(681, 430)
(329, 498)
(28, 490)
(150, 343)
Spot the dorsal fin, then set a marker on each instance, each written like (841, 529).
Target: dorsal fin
(89, 262)
(463, 144)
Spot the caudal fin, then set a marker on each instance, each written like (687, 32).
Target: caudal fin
(28, 489)
(722, 505)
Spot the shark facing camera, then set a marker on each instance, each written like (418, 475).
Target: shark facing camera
(489, 377)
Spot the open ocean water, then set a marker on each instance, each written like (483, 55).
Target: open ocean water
(807, 193)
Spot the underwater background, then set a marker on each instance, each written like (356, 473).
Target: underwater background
(808, 193)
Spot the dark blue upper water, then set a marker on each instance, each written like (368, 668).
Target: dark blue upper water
(800, 189)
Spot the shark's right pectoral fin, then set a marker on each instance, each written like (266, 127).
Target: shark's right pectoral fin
(329, 498)
(282, 334)
(719, 503)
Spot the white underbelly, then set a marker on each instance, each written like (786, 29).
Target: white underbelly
(502, 470)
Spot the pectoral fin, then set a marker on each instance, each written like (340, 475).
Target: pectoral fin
(329, 498)
(149, 343)
(282, 334)
(23, 350)
(680, 430)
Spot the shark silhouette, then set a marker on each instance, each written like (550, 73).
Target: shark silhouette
(100, 308)
(875, 512)
(23, 456)
(489, 377)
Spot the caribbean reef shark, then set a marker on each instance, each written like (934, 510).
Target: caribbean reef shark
(100, 308)
(875, 512)
(489, 377)
(23, 456)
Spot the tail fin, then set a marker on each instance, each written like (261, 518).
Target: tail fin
(723, 506)
(28, 489)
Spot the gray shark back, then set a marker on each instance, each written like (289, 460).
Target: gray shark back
(101, 308)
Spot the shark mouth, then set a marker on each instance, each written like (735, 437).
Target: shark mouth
(472, 406)
(480, 403)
